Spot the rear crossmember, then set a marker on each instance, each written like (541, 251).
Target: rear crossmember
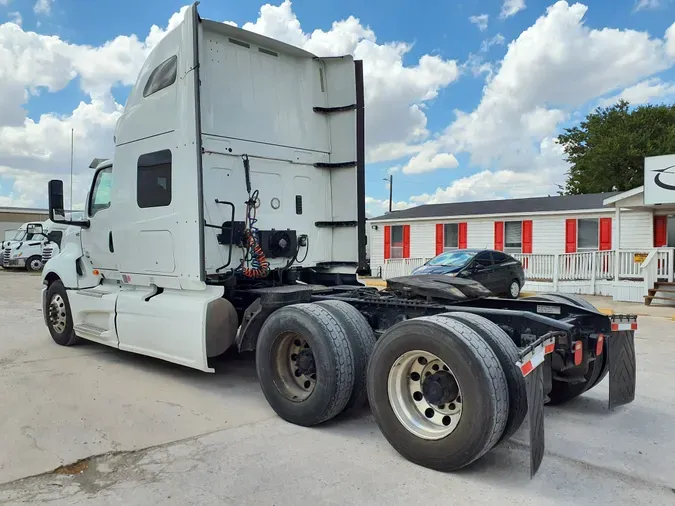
(622, 377)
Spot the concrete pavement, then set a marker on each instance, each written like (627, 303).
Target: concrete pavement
(184, 437)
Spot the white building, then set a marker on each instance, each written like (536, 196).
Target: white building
(616, 244)
(11, 218)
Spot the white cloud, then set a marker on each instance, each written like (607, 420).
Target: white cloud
(670, 41)
(15, 17)
(31, 63)
(395, 93)
(43, 7)
(552, 68)
(481, 21)
(511, 8)
(428, 160)
(497, 40)
(647, 4)
(642, 92)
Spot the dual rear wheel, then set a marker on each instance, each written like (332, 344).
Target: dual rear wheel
(443, 389)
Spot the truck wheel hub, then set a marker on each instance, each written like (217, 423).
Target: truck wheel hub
(424, 395)
(305, 362)
(440, 388)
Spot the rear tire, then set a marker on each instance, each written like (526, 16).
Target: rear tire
(362, 340)
(482, 393)
(507, 354)
(59, 316)
(305, 364)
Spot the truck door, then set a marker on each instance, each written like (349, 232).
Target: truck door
(97, 240)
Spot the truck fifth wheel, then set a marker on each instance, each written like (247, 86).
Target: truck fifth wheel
(233, 215)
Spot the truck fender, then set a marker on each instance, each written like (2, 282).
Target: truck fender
(65, 266)
(254, 317)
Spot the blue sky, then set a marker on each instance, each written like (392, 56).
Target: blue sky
(441, 29)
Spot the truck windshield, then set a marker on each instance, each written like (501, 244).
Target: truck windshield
(19, 236)
(452, 259)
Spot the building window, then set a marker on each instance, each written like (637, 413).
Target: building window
(450, 236)
(153, 187)
(397, 241)
(513, 236)
(588, 232)
(100, 195)
(162, 77)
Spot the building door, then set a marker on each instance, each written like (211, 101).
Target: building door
(671, 231)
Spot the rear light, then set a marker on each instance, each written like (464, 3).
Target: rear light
(599, 344)
(578, 352)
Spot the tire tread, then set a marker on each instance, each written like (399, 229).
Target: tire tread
(507, 354)
(362, 341)
(488, 360)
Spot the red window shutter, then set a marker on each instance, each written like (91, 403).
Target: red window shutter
(440, 228)
(499, 235)
(387, 242)
(605, 233)
(406, 241)
(660, 231)
(462, 235)
(570, 236)
(527, 236)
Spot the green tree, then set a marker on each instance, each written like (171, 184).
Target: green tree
(608, 147)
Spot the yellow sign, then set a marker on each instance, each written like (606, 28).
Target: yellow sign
(638, 258)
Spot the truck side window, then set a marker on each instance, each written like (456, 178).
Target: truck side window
(153, 187)
(162, 77)
(100, 196)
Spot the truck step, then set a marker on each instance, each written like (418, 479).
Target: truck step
(88, 330)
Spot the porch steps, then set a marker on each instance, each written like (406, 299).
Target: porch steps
(664, 287)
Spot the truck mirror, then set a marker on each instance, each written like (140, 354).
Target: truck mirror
(56, 211)
(34, 229)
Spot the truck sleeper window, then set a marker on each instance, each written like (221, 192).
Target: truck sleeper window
(153, 187)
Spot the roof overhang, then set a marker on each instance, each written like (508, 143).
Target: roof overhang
(624, 196)
(395, 219)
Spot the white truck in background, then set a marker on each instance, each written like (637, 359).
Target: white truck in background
(25, 250)
(233, 214)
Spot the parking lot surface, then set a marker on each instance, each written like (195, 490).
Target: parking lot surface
(166, 433)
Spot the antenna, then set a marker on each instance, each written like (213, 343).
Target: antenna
(72, 130)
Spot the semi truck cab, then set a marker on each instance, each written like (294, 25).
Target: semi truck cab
(25, 249)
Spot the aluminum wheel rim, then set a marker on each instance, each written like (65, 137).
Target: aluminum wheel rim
(290, 375)
(514, 289)
(57, 314)
(413, 410)
(35, 264)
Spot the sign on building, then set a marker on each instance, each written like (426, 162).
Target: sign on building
(660, 179)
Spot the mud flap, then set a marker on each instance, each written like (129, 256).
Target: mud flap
(621, 355)
(535, 417)
(531, 358)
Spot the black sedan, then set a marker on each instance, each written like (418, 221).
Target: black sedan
(497, 271)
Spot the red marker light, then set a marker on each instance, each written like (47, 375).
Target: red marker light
(599, 344)
(578, 352)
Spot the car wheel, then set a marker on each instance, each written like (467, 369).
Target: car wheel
(514, 289)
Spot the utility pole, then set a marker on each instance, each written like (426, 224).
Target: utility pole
(390, 180)
(72, 144)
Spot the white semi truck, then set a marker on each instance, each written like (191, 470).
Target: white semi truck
(25, 249)
(233, 214)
